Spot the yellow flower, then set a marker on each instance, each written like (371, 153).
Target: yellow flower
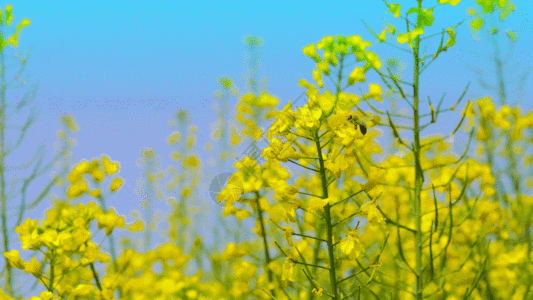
(288, 270)
(374, 92)
(317, 76)
(351, 245)
(357, 75)
(14, 259)
(315, 204)
(109, 220)
(288, 234)
(69, 122)
(75, 174)
(410, 36)
(6, 297)
(97, 174)
(82, 290)
(33, 267)
(77, 189)
(116, 184)
(310, 51)
(318, 291)
(137, 226)
(95, 193)
(242, 214)
(110, 167)
(370, 209)
(173, 138)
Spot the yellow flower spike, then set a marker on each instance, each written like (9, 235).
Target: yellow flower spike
(110, 167)
(116, 184)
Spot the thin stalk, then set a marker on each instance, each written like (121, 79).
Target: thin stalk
(418, 170)
(329, 223)
(3, 197)
(265, 241)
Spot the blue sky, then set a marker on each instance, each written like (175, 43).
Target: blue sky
(122, 68)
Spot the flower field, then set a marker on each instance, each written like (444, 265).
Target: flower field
(356, 192)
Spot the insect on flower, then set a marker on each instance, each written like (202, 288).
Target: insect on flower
(358, 123)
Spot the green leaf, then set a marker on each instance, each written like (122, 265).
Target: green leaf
(427, 16)
(412, 10)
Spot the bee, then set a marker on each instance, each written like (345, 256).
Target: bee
(358, 123)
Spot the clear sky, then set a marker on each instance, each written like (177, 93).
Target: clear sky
(123, 68)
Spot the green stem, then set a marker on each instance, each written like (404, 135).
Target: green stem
(265, 241)
(418, 170)
(3, 197)
(329, 223)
